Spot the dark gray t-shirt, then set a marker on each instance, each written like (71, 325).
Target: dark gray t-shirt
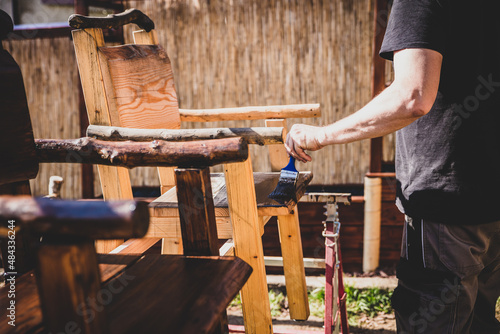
(448, 162)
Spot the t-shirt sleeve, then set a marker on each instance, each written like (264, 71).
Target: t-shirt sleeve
(415, 24)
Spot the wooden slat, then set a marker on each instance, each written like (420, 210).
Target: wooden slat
(250, 113)
(196, 211)
(293, 265)
(277, 152)
(248, 245)
(115, 181)
(141, 83)
(186, 305)
(166, 174)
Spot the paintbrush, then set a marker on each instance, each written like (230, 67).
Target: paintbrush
(285, 190)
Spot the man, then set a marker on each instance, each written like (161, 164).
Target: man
(445, 102)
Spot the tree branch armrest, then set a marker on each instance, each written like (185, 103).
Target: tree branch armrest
(85, 219)
(135, 154)
(256, 135)
(250, 113)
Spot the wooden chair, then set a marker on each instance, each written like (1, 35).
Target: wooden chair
(73, 290)
(132, 86)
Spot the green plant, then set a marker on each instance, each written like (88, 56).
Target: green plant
(277, 301)
(368, 301)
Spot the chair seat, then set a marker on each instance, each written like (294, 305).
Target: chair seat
(171, 297)
(166, 205)
(165, 213)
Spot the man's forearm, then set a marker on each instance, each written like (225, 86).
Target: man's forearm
(388, 112)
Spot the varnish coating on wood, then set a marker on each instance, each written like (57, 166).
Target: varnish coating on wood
(137, 304)
(264, 185)
(142, 86)
(90, 219)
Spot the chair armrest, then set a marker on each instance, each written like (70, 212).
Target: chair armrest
(135, 154)
(60, 218)
(250, 113)
(257, 135)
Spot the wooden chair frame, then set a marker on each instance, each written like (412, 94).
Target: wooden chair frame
(246, 219)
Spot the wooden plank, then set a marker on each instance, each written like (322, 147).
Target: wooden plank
(142, 86)
(277, 152)
(248, 245)
(196, 211)
(250, 113)
(115, 181)
(197, 291)
(166, 205)
(170, 227)
(254, 135)
(144, 37)
(68, 280)
(128, 278)
(88, 219)
(293, 265)
(166, 174)
(135, 246)
(277, 261)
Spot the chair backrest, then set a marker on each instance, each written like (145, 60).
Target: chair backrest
(128, 86)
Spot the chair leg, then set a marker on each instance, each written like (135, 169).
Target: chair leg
(248, 246)
(293, 265)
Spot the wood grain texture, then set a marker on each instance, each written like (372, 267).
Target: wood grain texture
(141, 83)
(248, 245)
(277, 153)
(264, 184)
(192, 307)
(135, 154)
(257, 135)
(68, 280)
(250, 113)
(293, 265)
(196, 212)
(115, 182)
(90, 219)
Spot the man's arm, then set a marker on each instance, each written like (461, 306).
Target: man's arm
(408, 98)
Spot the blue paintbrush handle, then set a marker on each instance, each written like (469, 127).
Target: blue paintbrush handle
(291, 165)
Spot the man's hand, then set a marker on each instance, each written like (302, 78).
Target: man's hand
(304, 137)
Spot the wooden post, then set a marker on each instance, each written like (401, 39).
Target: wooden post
(87, 180)
(196, 211)
(371, 236)
(378, 75)
(293, 265)
(290, 239)
(115, 181)
(197, 217)
(248, 245)
(70, 288)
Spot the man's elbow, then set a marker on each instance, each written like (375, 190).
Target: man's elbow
(418, 105)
